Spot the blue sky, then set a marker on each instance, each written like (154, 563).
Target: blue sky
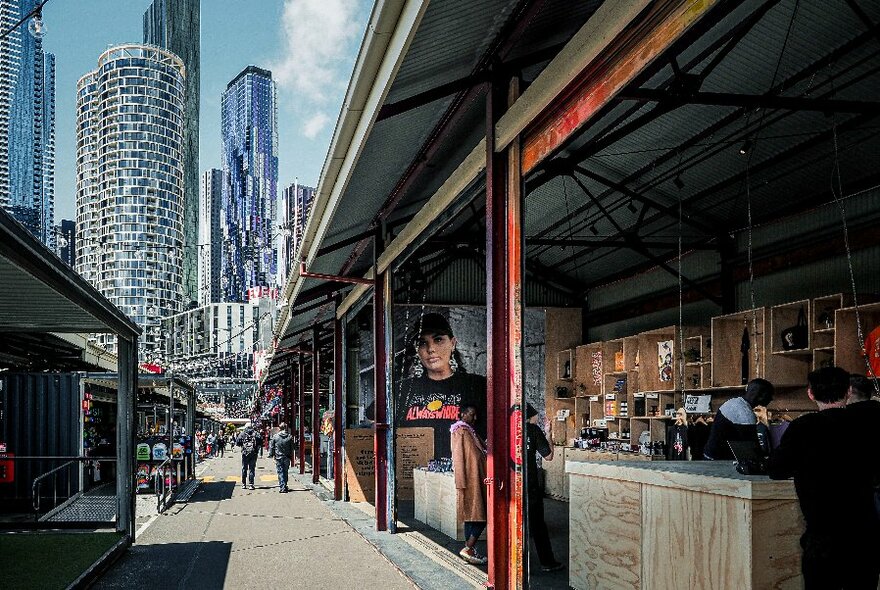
(309, 45)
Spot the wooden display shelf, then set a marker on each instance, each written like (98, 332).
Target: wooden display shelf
(848, 348)
(612, 357)
(565, 365)
(587, 377)
(785, 316)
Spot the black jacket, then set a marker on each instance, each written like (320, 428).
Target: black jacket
(735, 420)
(281, 445)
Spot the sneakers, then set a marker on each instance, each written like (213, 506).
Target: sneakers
(244, 486)
(470, 555)
(252, 487)
(554, 567)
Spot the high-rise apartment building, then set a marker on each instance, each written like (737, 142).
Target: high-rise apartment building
(130, 114)
(249, 132)
(296, 203)
(210, 236)
(27, 122)
(174, 25)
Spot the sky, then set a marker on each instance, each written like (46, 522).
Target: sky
(309, 46)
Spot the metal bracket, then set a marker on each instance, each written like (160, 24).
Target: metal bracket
(334, 278)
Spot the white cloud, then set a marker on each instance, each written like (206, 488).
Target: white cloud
(315, 124)
(317, 39)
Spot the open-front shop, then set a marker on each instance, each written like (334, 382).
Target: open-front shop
(684, 193)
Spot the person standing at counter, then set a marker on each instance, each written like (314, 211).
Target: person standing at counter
(469, 467)
(835, 487)
(439, 386)
(537, 443)
(736, 420)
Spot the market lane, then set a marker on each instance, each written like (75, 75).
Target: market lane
(227, 537)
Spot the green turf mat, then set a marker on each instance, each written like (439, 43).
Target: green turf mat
(49, 560)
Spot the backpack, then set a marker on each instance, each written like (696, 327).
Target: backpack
(248, 442)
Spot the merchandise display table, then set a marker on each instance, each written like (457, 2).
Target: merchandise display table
(436, 502)
(681, 525)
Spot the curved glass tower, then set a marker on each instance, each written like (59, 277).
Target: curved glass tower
(130, 183)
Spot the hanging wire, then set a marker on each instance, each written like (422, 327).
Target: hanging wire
(837, 193)
(680, 293)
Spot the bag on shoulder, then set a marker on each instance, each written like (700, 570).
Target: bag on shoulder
(249, 443)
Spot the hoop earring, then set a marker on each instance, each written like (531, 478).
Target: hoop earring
(418, 370)
(453, 364)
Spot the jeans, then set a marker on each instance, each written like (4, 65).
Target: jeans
(282, 465)
(830, 563)
(248, 466)
(473, 529)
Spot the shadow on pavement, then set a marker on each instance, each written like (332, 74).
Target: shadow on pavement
(556, 516)
(213, 491)
(184, 565)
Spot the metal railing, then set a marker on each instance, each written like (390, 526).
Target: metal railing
(163, 490)
(72, 479)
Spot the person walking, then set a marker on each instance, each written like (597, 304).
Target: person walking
(221, 443)
(281, 448)
(211, 440)
(249, 441)
(469, 466)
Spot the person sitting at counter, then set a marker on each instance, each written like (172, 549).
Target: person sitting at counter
(834, 477)
(469, 467)
(736, 420)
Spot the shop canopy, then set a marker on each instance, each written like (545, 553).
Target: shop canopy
(648, 128)
(40, 296)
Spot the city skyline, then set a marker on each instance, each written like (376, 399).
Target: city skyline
(78, 31)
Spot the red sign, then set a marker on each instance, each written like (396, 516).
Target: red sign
(7, 467)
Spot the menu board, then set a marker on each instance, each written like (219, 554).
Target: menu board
(360, 466)
(414, 448)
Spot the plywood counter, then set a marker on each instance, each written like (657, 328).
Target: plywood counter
(680, 525)
(435, 502)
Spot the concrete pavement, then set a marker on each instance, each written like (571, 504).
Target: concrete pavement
(227, 537)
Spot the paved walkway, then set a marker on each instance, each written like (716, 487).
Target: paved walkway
(227, 537)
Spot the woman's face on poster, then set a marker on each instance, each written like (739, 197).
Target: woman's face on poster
(435, 350)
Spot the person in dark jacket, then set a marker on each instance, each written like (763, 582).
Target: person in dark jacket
(249, 441)
(538, 443)
(736, 420)
(281, 448)
(835, 487)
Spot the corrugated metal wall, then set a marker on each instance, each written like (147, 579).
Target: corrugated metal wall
(41, 417)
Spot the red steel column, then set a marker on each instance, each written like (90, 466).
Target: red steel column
(316, 407)
(338, 407)
(301, 386)
(380, 444)
(504, 371)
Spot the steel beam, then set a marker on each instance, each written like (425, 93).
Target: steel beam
(380, 442)
(338, 405)
(125, 433)
(668, 22)
(316, 405)
(504, 250)
(754, 101)
(302, 413)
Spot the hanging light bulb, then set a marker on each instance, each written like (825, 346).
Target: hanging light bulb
(36, 27)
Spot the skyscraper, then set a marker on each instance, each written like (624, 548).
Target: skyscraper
(296, 204)
(174, 25)
(65, 237)
(130, 184)
(27, 123)
(210, 236)
(249, 132)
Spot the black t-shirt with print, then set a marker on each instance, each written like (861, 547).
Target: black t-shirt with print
(424, 402)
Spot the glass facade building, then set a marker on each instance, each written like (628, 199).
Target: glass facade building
(249, 133)
(174, 25)
(27, 124)
(130, 197)
(296, 204)
(210, 240)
